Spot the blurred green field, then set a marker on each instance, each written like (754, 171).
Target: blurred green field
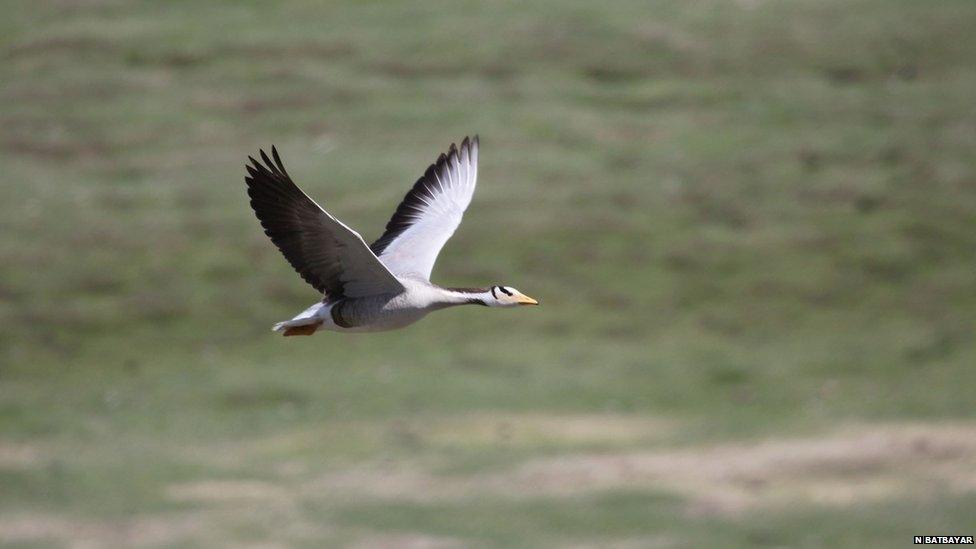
(751, 224)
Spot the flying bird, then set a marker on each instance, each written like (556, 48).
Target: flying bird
(385, 285)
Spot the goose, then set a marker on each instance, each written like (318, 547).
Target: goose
(385, 285)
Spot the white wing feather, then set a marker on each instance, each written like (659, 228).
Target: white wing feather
(430, 213)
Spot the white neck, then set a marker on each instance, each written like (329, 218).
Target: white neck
(449, 298)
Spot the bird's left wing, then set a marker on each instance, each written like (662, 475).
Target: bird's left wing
(330, 256)
(430, 213)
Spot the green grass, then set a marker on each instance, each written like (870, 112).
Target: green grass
(747, 221)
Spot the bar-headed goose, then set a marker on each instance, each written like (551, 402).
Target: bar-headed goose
(386, 285)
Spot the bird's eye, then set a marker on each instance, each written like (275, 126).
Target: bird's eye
(505, 291)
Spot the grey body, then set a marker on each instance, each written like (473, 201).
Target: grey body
(378, 313)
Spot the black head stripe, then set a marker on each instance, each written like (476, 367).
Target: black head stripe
(493, 292)
(504, 291)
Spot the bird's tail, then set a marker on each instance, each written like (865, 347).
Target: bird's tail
(298, 327)
(304, 324)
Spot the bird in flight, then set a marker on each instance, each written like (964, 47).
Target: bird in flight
(385, 285)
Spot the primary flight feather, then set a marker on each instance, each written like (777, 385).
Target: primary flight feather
(385, 285)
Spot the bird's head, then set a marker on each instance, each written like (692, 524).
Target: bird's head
(506, 296)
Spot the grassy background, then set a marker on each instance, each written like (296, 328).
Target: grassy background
(752, 226)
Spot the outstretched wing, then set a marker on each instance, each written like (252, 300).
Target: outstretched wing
(430, 212)
(330, 256)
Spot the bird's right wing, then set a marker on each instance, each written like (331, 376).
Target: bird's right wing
(430, 213)
(330, 256)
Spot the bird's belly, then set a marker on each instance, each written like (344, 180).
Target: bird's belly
(386, 324)
(371, 315)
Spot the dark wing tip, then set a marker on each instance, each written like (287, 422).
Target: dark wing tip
(470, 140)
(278, 162)
(266, 168)
(470, 144)
(271, 165)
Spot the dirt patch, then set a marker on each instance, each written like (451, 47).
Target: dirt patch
(137, 532)
(842, 467)
(20, 456)
(543, 430)
(395, 482)
(839, 468)
(506, 431)
(227, 491)
(407, 541)
(630, 543)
